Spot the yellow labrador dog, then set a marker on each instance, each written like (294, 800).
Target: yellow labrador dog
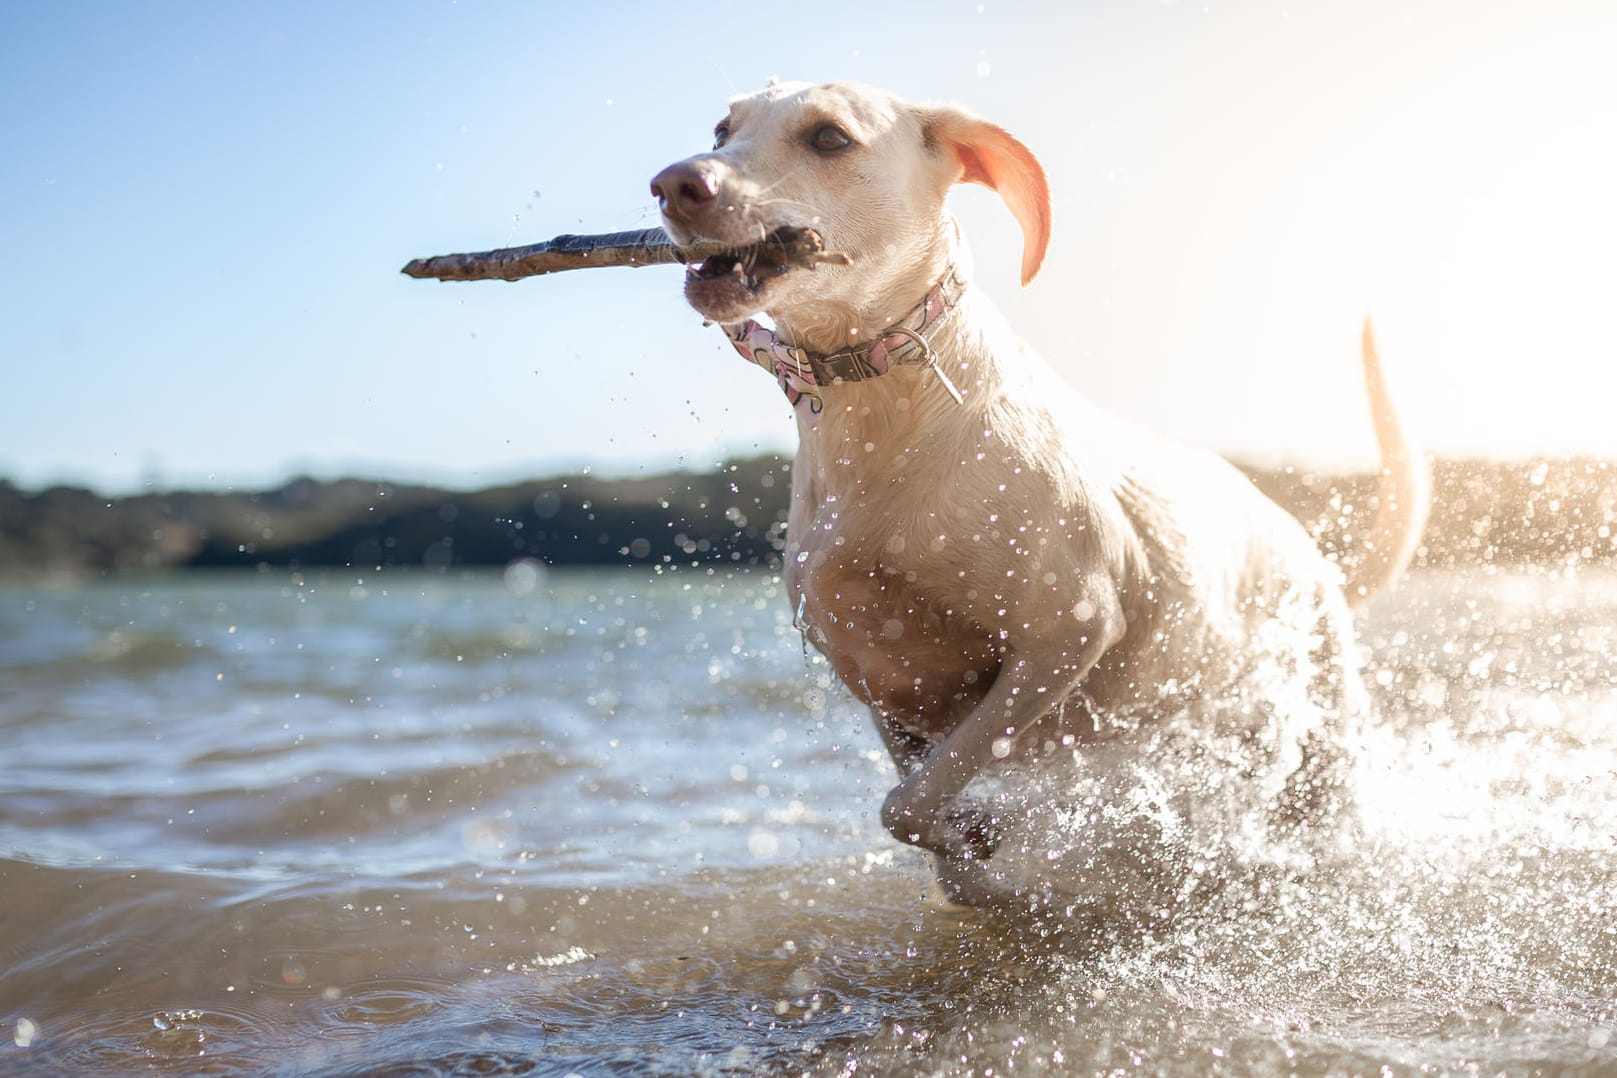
(988, 562)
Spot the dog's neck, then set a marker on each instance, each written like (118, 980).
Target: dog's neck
(855, 305)
(804, 374)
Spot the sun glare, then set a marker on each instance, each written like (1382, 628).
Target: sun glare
(1461, 196)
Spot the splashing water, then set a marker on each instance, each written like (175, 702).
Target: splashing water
(611, 822)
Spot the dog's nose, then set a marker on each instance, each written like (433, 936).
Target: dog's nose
(683, 190)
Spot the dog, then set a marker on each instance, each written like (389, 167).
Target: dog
(986, 561)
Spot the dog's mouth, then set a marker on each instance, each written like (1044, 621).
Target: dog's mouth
(720, 280)
(781, 251)
(751, 267)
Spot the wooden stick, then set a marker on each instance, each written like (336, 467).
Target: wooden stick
(645, 247)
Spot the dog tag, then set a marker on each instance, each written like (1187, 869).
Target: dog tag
(953, 390)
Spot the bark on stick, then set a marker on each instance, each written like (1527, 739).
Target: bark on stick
(644, 247)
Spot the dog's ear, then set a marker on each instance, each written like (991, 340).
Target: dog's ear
(989, 155)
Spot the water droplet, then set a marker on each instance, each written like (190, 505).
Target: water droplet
(762, 843)
(523, 576)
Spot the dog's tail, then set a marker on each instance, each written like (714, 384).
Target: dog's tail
(1404, 492)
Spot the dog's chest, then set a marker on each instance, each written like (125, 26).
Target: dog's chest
(897, 644)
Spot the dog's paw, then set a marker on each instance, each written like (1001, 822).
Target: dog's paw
(979, 834)
(966, 834)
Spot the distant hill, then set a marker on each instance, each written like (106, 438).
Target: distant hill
(736, 513)
(1535, 512)
(1545, 512)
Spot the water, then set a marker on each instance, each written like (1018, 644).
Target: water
(614, 823)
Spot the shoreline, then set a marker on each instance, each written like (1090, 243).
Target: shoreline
(1545, 512)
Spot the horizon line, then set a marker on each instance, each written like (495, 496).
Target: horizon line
(623, 471)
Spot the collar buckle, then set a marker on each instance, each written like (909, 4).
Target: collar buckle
(929, 361)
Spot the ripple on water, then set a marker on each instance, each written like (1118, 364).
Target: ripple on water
(387, 1002)
(464, 1063)
(215, 1040)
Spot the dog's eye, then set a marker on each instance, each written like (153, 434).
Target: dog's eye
(829, 138)
(721, 134)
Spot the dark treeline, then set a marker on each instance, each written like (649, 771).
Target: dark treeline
(1537, 512)
(735, 513)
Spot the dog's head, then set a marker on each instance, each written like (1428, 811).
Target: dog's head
(868, 172)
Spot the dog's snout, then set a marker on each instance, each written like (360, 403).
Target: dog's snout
(683, 190)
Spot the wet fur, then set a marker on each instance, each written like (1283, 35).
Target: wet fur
(971, 571)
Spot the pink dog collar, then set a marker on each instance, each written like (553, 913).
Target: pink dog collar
(800, 372)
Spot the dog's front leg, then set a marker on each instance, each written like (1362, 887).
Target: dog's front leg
(1033, 679)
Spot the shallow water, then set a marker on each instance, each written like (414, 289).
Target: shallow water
(615, 823)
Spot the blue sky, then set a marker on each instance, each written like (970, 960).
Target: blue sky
(205, 207)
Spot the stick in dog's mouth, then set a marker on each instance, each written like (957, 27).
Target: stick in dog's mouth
(777, 253)
(783, 249)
